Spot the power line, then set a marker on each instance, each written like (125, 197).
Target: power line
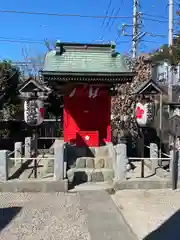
(152, 15)
(113, 21)
(25, 40)
(61, 14)
(142, 40)
(155, 20)
(75, 15)
(156, 16)
(36, 41)
(107, 11)
(22, 63)
(109, 20)
(21, 41)
(151, 41)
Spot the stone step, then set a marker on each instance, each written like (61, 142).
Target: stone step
(93, 186)
(94, 162)
(81, 175)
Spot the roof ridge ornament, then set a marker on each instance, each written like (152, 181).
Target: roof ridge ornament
(113, 49)
(59, 48)
(113, 45)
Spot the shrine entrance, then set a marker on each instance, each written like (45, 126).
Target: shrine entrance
(87, 116)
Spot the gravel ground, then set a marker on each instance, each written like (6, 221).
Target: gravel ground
(152, 214)
(42, 216)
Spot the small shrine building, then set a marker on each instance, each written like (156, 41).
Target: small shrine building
(86, 74)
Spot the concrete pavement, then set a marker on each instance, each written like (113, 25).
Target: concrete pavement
(152, 214)
(85, 215)
(103, 219)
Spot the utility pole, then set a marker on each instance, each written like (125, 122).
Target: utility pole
(137, 33)
(135, 28)
(170, 43)
(137, 37)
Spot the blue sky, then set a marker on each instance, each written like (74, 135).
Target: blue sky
(37, 28)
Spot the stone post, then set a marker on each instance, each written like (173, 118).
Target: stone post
(121, 161)
(154, 154)
(58, 161)
(18, 152)
(112, 154)
(178, 165)
(171, 161)
(175, 168)
(4, 165)
(65, 159)
(28, 147)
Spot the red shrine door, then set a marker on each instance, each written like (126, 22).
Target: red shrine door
(87, 116)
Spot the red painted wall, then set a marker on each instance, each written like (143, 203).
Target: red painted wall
(87, 109)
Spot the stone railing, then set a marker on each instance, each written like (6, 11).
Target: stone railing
(7, 161)
(121, 161)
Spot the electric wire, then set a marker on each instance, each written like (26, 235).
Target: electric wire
(114, 20)
(109, 20)
(150, 17)
(107, 11)
(61, 14)
(75, 15)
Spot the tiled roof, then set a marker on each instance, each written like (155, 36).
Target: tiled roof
(148, 85)
(86, 58)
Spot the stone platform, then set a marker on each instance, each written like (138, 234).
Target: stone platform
(47, 185)
(89, 169)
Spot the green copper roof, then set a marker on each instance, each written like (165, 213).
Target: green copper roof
(85, 58)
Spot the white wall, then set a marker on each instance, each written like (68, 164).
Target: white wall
(161, 72)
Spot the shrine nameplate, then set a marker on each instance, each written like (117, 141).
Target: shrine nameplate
(174, 125)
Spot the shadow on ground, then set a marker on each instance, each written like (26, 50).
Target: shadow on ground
(7, 215)
(79, 178)
(170, 229)
(20, 170)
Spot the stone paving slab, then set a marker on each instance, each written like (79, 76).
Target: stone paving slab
(103, 219)
(142, 183)
(91, 186)
(152, 214)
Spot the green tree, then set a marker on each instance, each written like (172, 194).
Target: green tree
(123, 104)
(9, 101)
(164, 53)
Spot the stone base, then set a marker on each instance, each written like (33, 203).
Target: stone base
(81, 175)
(73, 153)
(142, 184)
(94, 162)
(34, 186)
